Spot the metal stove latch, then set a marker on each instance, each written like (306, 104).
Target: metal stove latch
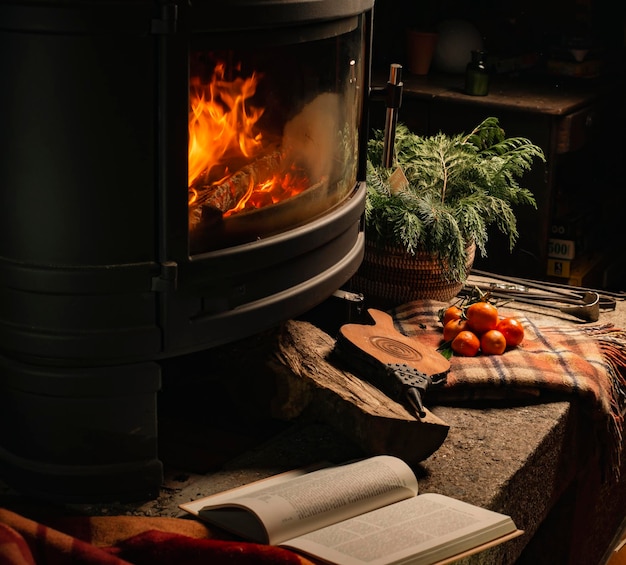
(167, 279)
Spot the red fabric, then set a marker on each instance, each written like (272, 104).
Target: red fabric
(127, 540)
(156, 548)
(13, 548)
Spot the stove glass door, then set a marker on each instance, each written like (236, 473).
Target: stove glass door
(274, 122)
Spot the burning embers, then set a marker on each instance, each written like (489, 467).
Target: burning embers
(233, 164)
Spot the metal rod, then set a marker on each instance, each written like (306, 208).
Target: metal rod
(620, 294)
(394, 100)
(607, 299)
(529, 283)
(587, 309)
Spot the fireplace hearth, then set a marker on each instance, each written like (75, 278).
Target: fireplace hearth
(176, 176)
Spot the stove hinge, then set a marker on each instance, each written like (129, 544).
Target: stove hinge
(167, 279)
(166, 20)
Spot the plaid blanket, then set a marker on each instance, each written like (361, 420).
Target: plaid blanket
(126, 540)
(584, 360)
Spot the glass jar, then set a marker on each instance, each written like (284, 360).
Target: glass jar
(477, 75)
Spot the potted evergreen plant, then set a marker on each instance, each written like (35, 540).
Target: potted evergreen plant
(426, 216)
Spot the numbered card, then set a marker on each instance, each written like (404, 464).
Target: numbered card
(561, 248)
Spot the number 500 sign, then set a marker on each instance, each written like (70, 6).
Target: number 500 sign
(561, 248)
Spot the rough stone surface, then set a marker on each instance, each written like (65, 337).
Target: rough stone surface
(518, 459)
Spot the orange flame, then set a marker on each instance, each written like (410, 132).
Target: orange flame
(278, 188)
(221, 123)
(224, 134)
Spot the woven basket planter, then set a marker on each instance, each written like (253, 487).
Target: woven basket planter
(389, 276)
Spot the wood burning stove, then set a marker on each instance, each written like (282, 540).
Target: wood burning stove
(176, 175)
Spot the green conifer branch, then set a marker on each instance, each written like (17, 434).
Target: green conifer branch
(458, 186)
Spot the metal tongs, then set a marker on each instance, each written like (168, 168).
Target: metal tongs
(582, 303)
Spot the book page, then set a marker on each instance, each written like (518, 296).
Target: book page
(195, 506)
(280, 510)
(417, 531)
(238, 520)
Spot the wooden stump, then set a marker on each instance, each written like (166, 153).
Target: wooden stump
(311, 383)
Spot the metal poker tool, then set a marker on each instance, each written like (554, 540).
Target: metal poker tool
(394, 101)
(581, 303)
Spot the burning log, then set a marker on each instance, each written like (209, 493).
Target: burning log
(227, 194)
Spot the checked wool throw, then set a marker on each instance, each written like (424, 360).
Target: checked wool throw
(586, 360)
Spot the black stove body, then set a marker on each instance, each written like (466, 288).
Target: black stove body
(175, 176)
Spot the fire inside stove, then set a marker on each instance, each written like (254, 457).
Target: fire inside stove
(223, 133)
(270, 149)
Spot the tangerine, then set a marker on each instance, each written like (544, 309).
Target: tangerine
(451, 313)
(493, 342)
(466, 343)
(512, 330)
(482, 317)
(453, 328)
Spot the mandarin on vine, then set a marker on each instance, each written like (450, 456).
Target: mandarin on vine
(492, 342)
(453, 328)
(513, 331)
(451, 313)
(466, 343)
(482, 317)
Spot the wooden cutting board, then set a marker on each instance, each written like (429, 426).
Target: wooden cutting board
(383, 342)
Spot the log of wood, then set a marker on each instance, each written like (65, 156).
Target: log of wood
(310, 383)
(228, 193)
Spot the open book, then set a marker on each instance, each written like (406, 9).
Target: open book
(360, 512)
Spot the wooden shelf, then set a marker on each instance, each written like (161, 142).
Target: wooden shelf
(538, 97)
(559, 117)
